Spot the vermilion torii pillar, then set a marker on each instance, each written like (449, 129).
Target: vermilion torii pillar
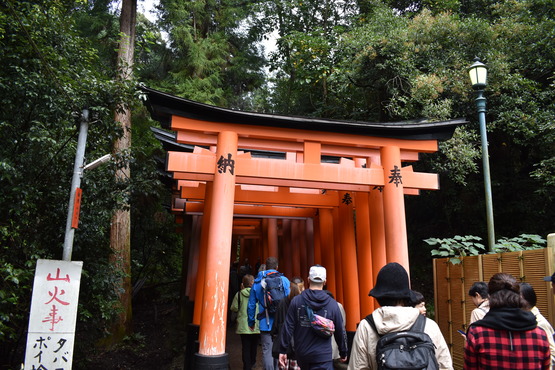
(351, 299)
(337, 250)
(272, 237)
(216, 277)
(327, 246)
(199, 291)
(364, 253)
(377, 231)
(394, 207)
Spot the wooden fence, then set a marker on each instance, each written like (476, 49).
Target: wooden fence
(453, 305)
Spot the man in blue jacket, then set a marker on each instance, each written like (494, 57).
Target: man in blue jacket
(312, 350)
(266, 318)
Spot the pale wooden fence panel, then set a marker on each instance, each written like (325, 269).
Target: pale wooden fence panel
(510, 264)
(490, 265)
(453, 306)
(442, 297)
(457, 305)
(472, 268)
(532, 275)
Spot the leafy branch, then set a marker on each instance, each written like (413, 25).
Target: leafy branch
(461, 246)
(519, 243)
(456, 247)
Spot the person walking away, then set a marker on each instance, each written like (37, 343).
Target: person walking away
(478, 292)
(300, 283)
(269, 288)
(312, 350)
(234, 287)
(508, 336)
(291, 363)
(249, 338)
(393, 293)
(245, 269)
(529, 294)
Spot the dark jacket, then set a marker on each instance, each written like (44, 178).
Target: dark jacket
(279, 321)
(309, 346)
(506, 338)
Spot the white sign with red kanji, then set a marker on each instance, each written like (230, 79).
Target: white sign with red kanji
(53, 315)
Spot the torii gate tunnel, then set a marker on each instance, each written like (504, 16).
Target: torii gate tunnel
(305, 190)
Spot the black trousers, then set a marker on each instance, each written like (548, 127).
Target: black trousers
(249, 344)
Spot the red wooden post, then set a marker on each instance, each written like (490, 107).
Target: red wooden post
(327, 245)
(394, 207)
(351, 299)
(364, 253)
(216, 278)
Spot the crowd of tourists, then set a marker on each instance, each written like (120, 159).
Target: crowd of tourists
(302, 326)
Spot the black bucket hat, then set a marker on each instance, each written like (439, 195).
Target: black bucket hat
(392, 282)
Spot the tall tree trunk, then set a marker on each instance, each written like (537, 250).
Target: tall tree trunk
(120, 233)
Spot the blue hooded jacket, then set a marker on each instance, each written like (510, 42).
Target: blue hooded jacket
(257, 297)
(309, 346)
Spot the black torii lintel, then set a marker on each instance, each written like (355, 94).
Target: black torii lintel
(163, 106)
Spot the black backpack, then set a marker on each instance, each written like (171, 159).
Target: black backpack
(274, 292)
(411, 349)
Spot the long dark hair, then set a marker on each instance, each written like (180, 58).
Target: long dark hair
(529, 295)
(294, 291)
(504, 291)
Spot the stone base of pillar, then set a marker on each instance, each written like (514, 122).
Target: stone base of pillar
(218, 362)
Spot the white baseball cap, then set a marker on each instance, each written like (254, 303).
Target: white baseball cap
(317, 274)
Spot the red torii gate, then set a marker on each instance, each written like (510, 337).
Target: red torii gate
(220, 177)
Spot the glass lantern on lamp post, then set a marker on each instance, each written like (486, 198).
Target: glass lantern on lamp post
(478, 77)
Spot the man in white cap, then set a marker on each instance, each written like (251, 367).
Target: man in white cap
(392, 290)
(312, 350)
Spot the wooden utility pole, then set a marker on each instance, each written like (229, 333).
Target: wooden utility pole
(120, 232)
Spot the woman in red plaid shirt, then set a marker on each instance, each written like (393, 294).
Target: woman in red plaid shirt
(507, 337)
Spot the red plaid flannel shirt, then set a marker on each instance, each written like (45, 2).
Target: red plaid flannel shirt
(488, 348)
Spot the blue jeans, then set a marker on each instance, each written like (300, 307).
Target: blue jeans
(269, 362)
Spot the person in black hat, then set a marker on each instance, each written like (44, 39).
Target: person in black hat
(393, 293)
(552, 280)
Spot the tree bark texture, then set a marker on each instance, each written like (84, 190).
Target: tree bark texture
(120, 232)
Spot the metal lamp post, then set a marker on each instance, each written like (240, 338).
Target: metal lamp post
(478, 77)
